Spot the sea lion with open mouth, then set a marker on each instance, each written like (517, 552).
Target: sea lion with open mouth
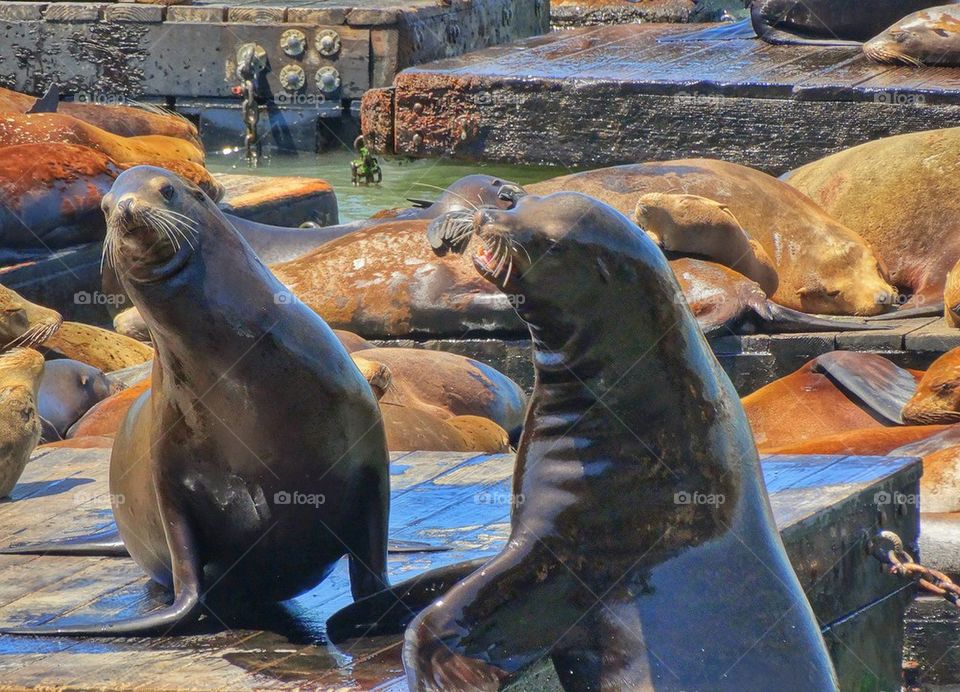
(257, 459)
(629, 586)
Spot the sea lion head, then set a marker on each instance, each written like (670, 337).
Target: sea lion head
(559, 255)
(23, 323)
(937, 399)
(928, 36)
(849, 280)
(472, 192)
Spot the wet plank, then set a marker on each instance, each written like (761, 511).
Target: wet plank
(823, 506)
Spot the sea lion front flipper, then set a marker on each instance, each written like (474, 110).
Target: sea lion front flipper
(777, 319)
(932, 310)
(391, 610)
(47, 103)
(186, 588)
(105, 544)
(878, 383)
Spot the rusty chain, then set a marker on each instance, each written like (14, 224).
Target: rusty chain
(901, 563)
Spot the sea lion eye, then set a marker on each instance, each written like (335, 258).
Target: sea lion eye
(167, 191)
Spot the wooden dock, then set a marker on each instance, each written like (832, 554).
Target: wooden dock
(825, 507)
(600, 96)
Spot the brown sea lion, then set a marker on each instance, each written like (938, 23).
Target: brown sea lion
(86, 442)
(447, 385)
(927, 37)
(630, 413)
(863, 442)
(23, 323)
(20, 373)
(214, 501)
(809, 404)
(68, 390)
(951, 297)
(52, 192)
(940, 484)
(899, 194)
(697, 226)
(384, 281)
(823, 266)
(126, 121)
(937, 399)
(52, 128)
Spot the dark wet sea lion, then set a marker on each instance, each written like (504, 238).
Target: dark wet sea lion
(20, 373)
(699, 227)
(630, 411)
(68, 390)
(828, 21)
(823, 266)
(52, 128)
(126, 121)
(52, 192)
(899, 194)
(215, 502)
(927, 37)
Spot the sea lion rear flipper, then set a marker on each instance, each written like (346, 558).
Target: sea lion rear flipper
(391, 610)
(724, 32)
(106, 544)
(878, 383)
(48, 102)
(777, 319)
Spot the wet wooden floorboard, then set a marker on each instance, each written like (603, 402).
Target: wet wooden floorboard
(458, 499)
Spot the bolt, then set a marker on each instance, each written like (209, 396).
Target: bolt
(417, 140)
(328, 42)
(418, 108)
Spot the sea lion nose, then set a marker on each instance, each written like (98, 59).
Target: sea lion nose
(124, 207)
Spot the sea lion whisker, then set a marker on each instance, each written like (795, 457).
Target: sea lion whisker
(178, 227)
(457, 194)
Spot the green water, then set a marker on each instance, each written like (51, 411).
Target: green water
(402, 179)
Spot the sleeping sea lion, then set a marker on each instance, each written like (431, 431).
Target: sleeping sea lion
(630, 413)
(899, 194)
(20, 373)
(926, 37)
(699, 227)
(126, 121)
(52, 128)
(208, 487)
(824, 267)
(937, 398)
(68, 390)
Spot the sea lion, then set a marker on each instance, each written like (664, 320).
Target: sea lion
(863, 442)
(68, 390)
(926, 37)
(809, 404)
(126, 121)
(697, 226)
(726, 302)
(23, 323)
(823, 266)
(105, 418)
(937, 398)
(20, 373)
(383, 281)
(630, 412)
(203, 474)
(829, 22)
(52, 128)
(940, 483)
(448, 385)
(898, 193)
(52, 193)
